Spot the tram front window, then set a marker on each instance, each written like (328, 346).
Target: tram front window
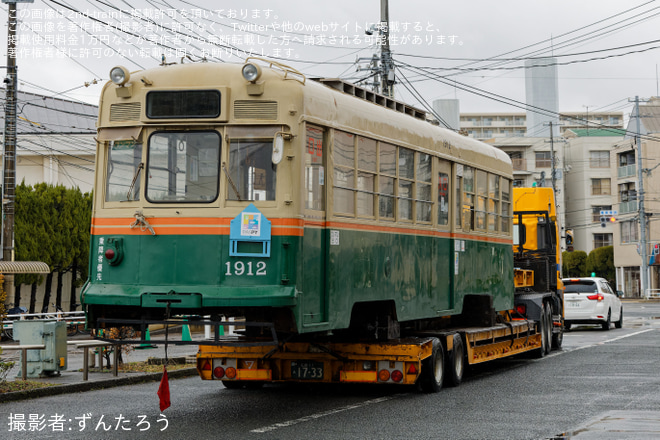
(183, 167)
(252, 174)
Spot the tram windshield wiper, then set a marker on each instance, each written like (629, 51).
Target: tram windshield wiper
(231, 182)
(135, 178)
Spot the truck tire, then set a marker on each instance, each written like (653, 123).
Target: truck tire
(433, 369)
(543, 330)
(548, 328)
(455, 362)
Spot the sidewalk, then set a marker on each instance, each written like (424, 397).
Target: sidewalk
(71, 379)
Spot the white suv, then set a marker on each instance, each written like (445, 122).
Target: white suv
(591, 301)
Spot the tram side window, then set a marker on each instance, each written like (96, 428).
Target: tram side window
(493, 202)
(366, 183)
(506, 205)
(124, 158)
(252, 174)
(406, 176)
(183, 167)
(386, 179)
(482, 199)
(314, 171)
(423, 204)
(468, 198)
(344, 173)
(443, 199)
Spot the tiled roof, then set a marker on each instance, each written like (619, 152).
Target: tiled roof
(39, 114)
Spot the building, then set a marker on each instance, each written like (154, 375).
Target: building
(55, 141)
(532, 160)
(628, 240)
(514, 124)
(589, 185)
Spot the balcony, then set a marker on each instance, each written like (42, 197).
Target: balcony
(626, 171)
(628, 207)
(519, 164)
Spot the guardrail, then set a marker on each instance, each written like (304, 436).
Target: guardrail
(653, 293)
(73, 320)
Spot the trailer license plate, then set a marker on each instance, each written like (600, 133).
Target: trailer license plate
(306, 370)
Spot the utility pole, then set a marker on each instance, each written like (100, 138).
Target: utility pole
(381, 67)
(552, 156)
(644, 276)
(9, 153)
(387, 68)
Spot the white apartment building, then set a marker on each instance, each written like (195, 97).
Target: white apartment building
(504, 125)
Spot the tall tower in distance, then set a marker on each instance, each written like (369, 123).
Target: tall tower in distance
(541, 96)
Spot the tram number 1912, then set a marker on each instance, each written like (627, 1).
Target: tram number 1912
(250, 268)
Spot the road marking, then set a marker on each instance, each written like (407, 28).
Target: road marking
(600, 343)
(319, 415)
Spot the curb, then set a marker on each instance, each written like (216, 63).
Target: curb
(94, 385)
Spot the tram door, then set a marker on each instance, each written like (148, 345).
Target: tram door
(314, 295)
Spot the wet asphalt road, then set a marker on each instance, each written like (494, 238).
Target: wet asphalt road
(603, 384)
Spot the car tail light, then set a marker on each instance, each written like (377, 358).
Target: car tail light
(521, 309)
(598, 297)
(219, 372)
(397, 376)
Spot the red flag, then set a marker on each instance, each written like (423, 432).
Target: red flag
(164, 391)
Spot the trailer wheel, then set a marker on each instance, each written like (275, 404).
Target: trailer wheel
(433, 369)
(548, 327)
(543, 329)
(456, 362)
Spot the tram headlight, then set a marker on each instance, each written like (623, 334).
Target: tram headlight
(251, 72)
(278, 147)
(119, 75)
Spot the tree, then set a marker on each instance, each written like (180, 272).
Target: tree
(601, 262)
(574, 264)
(52, 225)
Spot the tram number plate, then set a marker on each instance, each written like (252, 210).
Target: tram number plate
(306, 370)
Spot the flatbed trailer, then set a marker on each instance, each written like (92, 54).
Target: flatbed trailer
(430, 358)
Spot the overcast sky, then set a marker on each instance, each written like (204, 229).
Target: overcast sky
(613, 45)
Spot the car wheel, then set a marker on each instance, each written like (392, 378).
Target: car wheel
(606, 324)
(619, 323)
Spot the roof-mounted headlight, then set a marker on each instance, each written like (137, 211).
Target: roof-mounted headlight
(251, 72)
(119, 75)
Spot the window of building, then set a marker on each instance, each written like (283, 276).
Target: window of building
(627, 192)
(595, 212)
(543, 159)
(627, 158)
(602, 240)
(599, 159)
(601, 187)
(629, 231)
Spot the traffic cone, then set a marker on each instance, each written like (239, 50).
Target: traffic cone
(147, 338)
(185, 333)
